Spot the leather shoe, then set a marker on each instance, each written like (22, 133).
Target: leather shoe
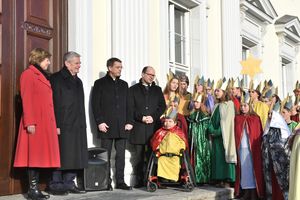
(58, 192)
(76, 190)
(109, 187)
(139, 185)
(123, 186)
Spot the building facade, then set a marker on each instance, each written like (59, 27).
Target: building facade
(194, 37)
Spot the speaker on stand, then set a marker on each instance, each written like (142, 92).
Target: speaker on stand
(96, 174)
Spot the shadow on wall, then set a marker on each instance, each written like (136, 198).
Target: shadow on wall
(93, 125)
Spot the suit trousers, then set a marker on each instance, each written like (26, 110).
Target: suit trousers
(63, 179)
(143, 152)
(119, 145)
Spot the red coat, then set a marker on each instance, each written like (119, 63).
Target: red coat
(41, 148)
(255, 131)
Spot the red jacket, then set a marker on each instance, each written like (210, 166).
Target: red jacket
(41, 148)
(255, 131)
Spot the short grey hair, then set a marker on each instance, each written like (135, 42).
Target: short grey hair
(69, 55)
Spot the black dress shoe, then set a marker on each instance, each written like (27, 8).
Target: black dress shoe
(76, 190)
(110, 188)
(139, 185)
(58, 192)
(123, 186)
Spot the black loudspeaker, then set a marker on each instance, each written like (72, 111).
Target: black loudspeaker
(96, 174)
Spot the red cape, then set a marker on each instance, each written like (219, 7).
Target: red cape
(236, 103)
(255, 131)
(162, 132)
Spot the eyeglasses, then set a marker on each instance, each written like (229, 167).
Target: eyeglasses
(153, 75)
(252, 91)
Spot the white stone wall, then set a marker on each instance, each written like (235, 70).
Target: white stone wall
(136, 31)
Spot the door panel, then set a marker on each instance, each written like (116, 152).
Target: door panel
(28, 24)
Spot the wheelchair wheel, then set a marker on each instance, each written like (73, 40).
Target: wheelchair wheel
(189, 169)
(151, 186)
(188, 187)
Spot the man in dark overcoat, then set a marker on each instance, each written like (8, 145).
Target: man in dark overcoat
(109, 104)
(68, 99)
(146, 105)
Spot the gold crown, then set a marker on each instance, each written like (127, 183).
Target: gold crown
(221, 84)
(170, 75)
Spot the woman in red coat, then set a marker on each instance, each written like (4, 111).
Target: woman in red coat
(248, 139)
(37, 145)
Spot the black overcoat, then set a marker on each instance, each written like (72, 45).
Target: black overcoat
(144, 102)
(109, 104)
(68, 99)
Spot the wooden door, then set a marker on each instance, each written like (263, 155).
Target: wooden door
(24, 25)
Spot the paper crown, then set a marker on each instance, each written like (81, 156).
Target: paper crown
(198, 97)
(276, 106)
(222, 84)
(268, 93)
(237, 83)
(210, 83)
(297, 86)
(254, 85)
(199, 81)
(287, 103)
(171, 113)
(245, 97)
(170, 75)
(267, 86)
(230, 83)
(297, 100)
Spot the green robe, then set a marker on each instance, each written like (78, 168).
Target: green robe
(221, 170)
(201, 148)
(292, 125)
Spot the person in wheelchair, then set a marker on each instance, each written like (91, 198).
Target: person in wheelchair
(169, 144)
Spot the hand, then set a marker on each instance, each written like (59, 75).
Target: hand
(58, 131)
(103, 127)
(128, 127)
(144, 119)
(31, 129)
(149, 119)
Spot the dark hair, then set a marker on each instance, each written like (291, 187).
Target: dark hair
(184, 78)
(110, 62)
(225, 97)
(145, 69)
(277, 98)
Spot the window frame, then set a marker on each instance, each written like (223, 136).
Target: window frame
(184, 65)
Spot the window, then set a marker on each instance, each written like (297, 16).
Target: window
(179, 53)
(287, 76)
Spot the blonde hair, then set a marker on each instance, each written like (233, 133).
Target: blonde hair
(37, 55)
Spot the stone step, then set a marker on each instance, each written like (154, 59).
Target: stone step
(176, 193)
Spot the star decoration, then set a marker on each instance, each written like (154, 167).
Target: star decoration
(251, 66)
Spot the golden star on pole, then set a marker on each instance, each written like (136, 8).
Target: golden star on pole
(251, 66)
